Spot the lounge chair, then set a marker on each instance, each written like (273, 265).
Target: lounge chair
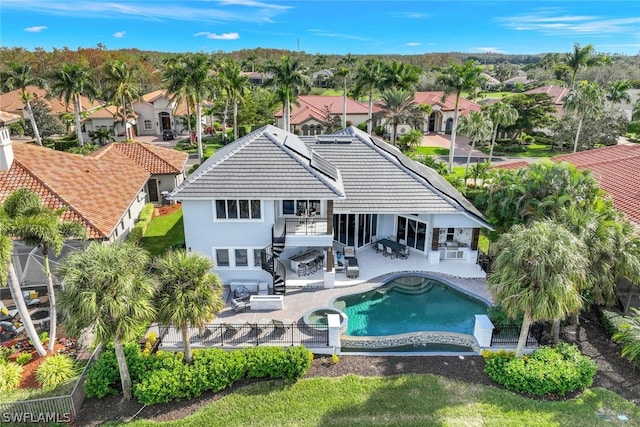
(231, 329)
(280, 327)
(8, 330)
(352, 270)
(7, 315)
(239, 305)
(31, 298)
(259, 326)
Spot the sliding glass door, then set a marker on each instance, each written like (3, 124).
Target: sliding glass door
(354, 229)
(412, 232)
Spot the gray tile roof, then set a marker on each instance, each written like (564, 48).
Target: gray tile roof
(266, 164)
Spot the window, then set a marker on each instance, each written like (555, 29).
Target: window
(241, 258)
(238, 209)
(222, 257)
(292, 207)
(257, 258)
(413, 232)
(450, 234)
(147, 125)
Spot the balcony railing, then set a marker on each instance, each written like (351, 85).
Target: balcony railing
(306, 226)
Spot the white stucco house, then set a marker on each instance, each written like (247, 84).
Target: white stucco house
(258, 203)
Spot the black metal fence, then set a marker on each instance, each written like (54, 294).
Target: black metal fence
(247, 334)
(508, 335)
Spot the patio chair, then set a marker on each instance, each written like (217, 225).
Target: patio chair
(280, 327)
(241, 293)
(259, 326)
(31, 298)
(231, 329)
(6, 314)
(239, 305)
(9, 330)
(390, 252)
(380, 248)
(404, 253)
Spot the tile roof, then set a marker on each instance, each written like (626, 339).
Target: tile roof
(372, 176)
(12, 101)
(7, 118)
(151, 97)
(97, 190)
(155, 160)
(448, 104)
(616, 170)
(312, 106)
(266, 164)
(512, 165)
(557, 93)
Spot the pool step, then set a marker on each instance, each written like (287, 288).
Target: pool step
(414, 288)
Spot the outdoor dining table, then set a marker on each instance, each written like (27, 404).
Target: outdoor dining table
(397, 247)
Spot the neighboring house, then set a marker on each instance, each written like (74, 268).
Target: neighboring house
(443, 110)
(272, 194)
(107, 118)
(257, 77)
(556, 93)
(520, 79)
(490, 82)
(322, 78)
(165, 165)
(616, 170)
(157, 112)
(12, 102)
(310, 115)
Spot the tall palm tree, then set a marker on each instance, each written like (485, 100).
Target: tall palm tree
(580, 57)
(455, 79)
(175, 76)
(122, 88)
(398, 106)
(343, 73)
(476, 127)
(501, 114)
(18, 76)
(189, 295)
(400, 76)
(369, 77)
(10, 277)
(289, 81)
(619, 92)
(69, 83)
(584, 100)
(108, 287)
(236, 85)
(538, 272)
(41, 227)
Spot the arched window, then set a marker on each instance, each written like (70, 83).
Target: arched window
(449, 124)
(305, 130)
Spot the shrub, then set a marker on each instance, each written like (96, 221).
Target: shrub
(23, 358)
(362, 126)
(54, 371)
(550, 370)
(10, 375)
(64, 144)
(5, 352)
(634, 127)
(138, 231)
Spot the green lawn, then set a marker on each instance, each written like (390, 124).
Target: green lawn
(407, 400)
(532, 150)
(432, 151)
(209, 145)
(164, 232)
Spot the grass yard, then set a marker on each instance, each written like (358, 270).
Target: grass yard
(209, 146)
(165, 231)
(432, 151)
(407, 400)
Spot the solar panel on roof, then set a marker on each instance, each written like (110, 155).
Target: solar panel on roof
(298, 146)
(324, 166)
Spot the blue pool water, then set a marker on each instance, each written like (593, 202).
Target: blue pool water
(410, 304)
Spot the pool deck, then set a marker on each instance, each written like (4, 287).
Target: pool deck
(375, 269)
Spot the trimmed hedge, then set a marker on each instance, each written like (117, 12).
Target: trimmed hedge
(164, 377)
(138, 230)
(550, 370)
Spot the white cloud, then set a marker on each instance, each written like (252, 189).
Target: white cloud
(325, 33)
(119, 34)
(413, 44)
(35, 29)
(487, 50)
(214, 36)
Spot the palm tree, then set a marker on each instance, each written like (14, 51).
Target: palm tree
(18, 76)
(619, 92)
(456, 78)
(400, 76)
(584, 100)
(41, 227)
(236, 85)
(121, 88)
(538, 272)
(289, 81)
(199, 80)
(6, 250)
(175, 76)
(102, 136)
(189, 295)
(397, 107)
(343, 73)
(71, 81)
(476, 127)
(108, 287)
(501, 114)
(251, 59)
(369, 77)
(581, 57)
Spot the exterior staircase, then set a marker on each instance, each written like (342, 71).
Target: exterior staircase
(271, 263)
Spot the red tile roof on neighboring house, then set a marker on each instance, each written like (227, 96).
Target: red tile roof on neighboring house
(616, 169)
(96, 190)
(512, 165)
(155, 160)
(6, 118)
(556, 93)
(312, 106)
(448, 104)
(151, 97)
(12, 101)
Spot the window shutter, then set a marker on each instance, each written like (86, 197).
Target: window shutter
(434, 239)
(474, 239)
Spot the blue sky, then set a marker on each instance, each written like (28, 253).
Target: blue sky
(324, 26)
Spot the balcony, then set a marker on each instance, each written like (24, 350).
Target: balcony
(304, 231)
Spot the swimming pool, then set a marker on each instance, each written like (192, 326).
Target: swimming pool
(409, 304)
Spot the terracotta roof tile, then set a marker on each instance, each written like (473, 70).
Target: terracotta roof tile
(616, 169)
(155, 160)
(512, 165)
(312, 106)
(12, 101)
(97, 189)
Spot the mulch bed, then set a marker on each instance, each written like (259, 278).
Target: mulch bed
(614, 373)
